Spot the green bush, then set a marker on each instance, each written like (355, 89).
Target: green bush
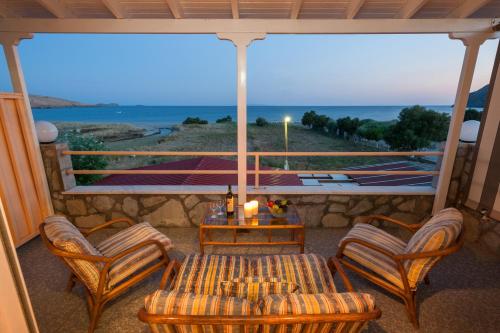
(227, 119)
(331, 127)
(194, 120)
(416, 128)
(317, 122)
(372, 130)
(261, 122)
(308, 118)
(472, 114)
(76, 141)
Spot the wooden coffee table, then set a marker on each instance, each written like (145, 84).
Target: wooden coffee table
(263, 221)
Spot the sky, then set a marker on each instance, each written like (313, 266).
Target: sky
(282, 69)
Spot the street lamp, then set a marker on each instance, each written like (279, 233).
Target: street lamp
(286, 120)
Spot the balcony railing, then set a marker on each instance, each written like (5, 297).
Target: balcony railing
(257, 155)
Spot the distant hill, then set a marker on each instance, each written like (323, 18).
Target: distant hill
(42, 102)
(477, 99)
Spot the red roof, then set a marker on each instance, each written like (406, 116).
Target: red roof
(391, 180)
(200, 163)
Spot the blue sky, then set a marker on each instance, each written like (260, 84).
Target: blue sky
(282, 70)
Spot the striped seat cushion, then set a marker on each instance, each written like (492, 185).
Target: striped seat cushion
(179, 303)
(65, 236)
(203, 274)
(133, 262)
(371, 259)
(324, 303)
(309, 271)
(256, 288)
(437, 234)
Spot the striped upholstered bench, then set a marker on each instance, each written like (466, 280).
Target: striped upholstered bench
(212, 293)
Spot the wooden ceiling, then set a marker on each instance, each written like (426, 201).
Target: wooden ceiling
(250, 9)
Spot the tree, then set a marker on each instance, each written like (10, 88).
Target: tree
(347, 125)
(261, 122)
(331, 127)
(308, 118)
(416, 128)
(77, 141)
(194, 120)
(226, 119)
(319, 122)
(472, 114)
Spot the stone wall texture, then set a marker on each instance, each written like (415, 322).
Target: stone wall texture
(462, 171)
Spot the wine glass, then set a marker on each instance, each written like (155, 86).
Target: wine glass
(220, 205)
(213, 208)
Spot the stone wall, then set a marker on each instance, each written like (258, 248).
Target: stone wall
(462, 171)
(328, 211)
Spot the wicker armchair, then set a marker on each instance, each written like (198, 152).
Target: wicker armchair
(112, 266)
(397, 266)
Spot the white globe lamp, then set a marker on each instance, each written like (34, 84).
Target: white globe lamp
(470, 129)
(46, 132)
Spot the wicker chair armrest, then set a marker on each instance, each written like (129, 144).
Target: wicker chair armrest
(333, 262)
(87, 231)
(170, 273)
(371, 218)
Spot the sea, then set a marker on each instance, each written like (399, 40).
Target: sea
(164, 116)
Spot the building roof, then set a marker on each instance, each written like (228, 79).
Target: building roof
(200, 163)
(250, 9)
(391, 180)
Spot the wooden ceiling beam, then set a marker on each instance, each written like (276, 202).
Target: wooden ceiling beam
(271, 26)
(235, 9)
(115, 8)
(467, 8)
(411, 8)
(57, 7)
(353, 8)
(175, 8)
(296, 7)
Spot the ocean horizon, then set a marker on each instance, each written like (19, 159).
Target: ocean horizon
(160, 116)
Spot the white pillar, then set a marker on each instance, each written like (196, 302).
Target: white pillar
(242, 41)
(472, 43)
(10, 41)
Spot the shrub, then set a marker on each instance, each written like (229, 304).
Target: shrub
(194, 120)
(226, 119)
(472, 114)
(76, 141)
(416, 128)
(331, 127)
(372, 130)
(308, 118)
(261, 122)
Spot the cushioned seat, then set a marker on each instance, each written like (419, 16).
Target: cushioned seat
(203, 274)
(133, 262)
(309, 271)
(371, 259)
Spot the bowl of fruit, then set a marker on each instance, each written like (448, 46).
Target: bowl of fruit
(278, 208)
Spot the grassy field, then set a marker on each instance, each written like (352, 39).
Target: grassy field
(222, 137)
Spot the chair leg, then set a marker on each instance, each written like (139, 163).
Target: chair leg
(95, 313)
(411, 308)
(71, 283)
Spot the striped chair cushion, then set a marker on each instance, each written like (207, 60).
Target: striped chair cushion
(437, 234)
(324, 303)
(309, 271)
(65, 236)
(179, 303)
(202, 274)
(131, 263)
(371, 259)
(256, 288)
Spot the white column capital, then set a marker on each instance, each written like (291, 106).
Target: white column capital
(474, 39)
(241, 39)
(13, 38)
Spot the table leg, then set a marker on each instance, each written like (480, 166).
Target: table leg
(270, 235)
(234, 236)
(292, 234)
(302, 240)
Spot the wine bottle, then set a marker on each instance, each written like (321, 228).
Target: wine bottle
(229, 202)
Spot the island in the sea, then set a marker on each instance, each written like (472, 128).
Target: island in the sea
(44, 102)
